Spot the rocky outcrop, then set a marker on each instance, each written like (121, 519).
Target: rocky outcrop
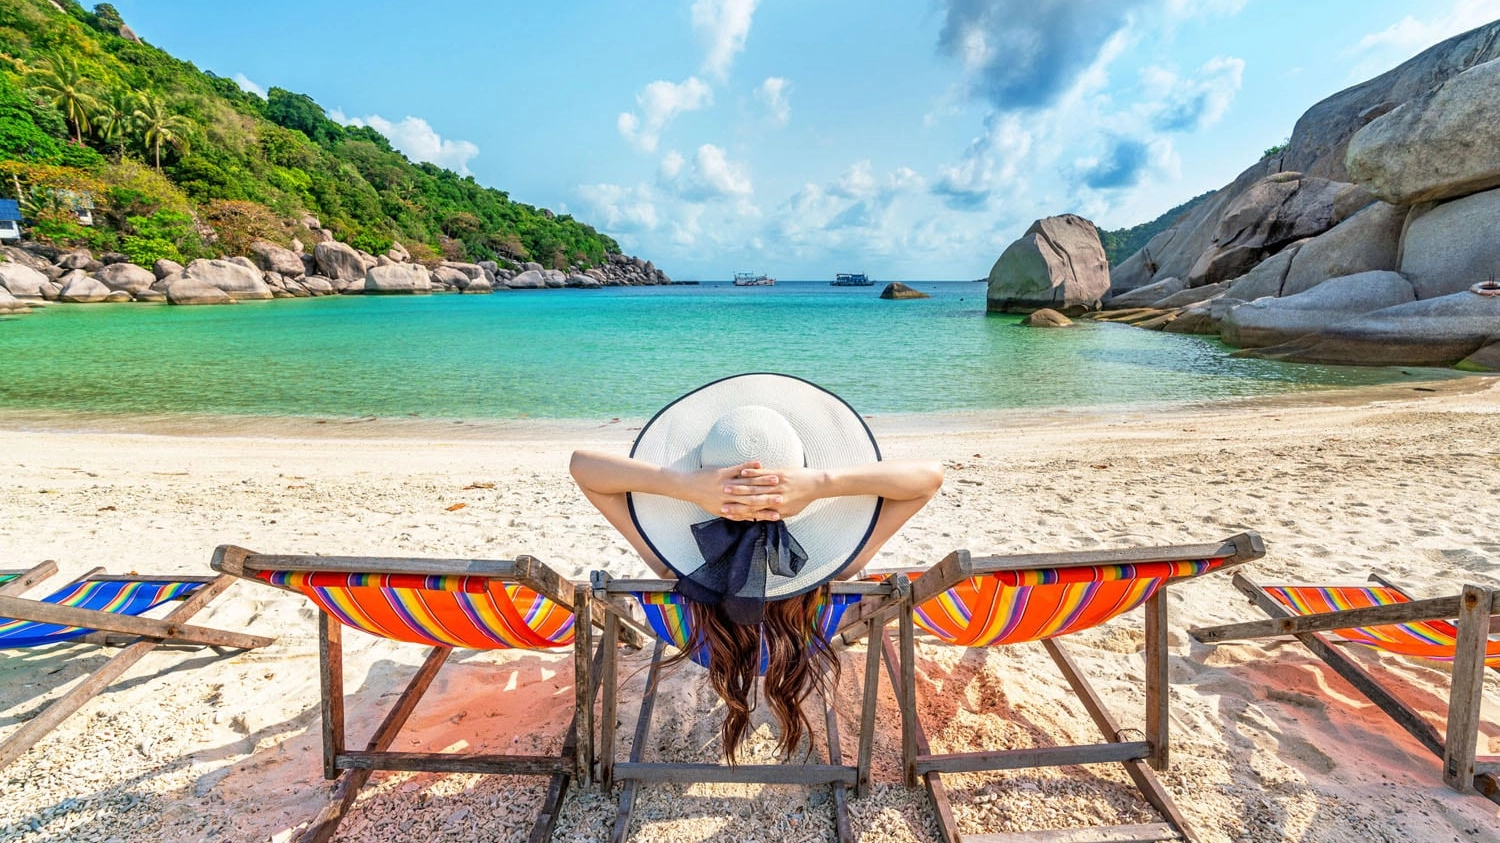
(531, 279)
(270, 257)
(1148, 295)
(1058, 263)
(582, 282)
(21, 280)
(1272, 321)
(238, 281)
(1452, 246)
(1046, 318)
(1273, 213)
(164, 268)
(398, 278)
(127, 277)
(84, 289)
(339, 263)
(1365, 242)
(898, 291)
(184, 289)
(10, 305)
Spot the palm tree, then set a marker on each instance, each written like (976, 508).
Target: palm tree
(115, 117)
(64, 85)
(158, 126)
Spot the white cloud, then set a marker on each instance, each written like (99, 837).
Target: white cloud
(619, 208)
(416, 139)
(710, 176)
(721, 27)
(1182, 105)
(1409, 33)
(660, 102)
(772, 94)
(249, 87)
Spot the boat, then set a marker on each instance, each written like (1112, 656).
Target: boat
(753, 279)
(851, 279)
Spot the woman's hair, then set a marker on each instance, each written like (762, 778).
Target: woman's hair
(799, 661)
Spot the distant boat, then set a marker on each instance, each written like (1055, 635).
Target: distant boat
(851, 279)
(753, 279)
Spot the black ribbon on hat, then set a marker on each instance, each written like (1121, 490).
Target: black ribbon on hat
(738, 556)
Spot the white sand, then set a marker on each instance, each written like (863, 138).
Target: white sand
(1268, 744)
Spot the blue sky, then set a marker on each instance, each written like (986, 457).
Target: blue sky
(907, 140)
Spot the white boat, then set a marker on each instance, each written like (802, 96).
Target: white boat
(851, 279)
(753, 279)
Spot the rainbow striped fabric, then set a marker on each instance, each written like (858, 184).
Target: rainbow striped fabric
(445, 611)
(114, 596)
(1008, 607)
(667, 614)
(1424, 639)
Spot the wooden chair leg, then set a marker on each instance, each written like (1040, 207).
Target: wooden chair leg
(637, 747)
(942, 807)
(1158, 699)
(1466, 695)
(868, 712)
(842, 828)
(583, 682)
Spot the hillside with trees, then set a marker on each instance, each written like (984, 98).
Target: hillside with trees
(1121, 243)
(176, 162)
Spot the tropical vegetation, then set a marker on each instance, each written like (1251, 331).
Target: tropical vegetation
(178, 162)
(1121, 243)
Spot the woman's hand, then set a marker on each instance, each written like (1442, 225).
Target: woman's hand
(740, 493)
(779, 493)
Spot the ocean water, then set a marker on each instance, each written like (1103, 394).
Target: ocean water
(615, 352)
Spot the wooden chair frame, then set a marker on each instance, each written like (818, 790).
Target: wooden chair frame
(881, 602)
(140, 635)
(352, 768)
(1477, 611)
(1139, 758)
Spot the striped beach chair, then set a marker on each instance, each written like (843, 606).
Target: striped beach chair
(666, 621)
(102, 609)
(991, 601)
(443, 604)
(1382, 615)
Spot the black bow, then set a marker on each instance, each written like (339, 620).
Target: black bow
(737, 558)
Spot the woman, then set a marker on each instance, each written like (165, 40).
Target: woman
(754, 492)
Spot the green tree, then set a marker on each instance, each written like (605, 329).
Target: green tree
(159, 126)
(115, 118)
(69, 91)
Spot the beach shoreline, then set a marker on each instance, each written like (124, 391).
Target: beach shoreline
(1267, 743)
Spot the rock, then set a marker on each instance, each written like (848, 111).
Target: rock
(126, 276)
(478, 285)
(238, 278)
(1058, 263)
(1365, 242)
(1428, 332)
(583, 282)
(1148, 295)
(50, 290)
(1486, 359)
(531, 266)
(317, 285)
(398, 278)
(79, 259)
(109, 258)
(1046, 318)
(24, 257)
(153, 296)
(555, 279)
(398, 253)
(270, 257)
(449, 276)
(1192, 295)
(185, 289)
(241, 260)
(1267, 277)
(83, 288)
(1194, 319)
(163, 268)
(1450, 247)
(472, 270)
(1271, 321)
(338, 262)
(119, 296)
(368, 260)
(1320, 139)
(1442, 144)
(10, 305)
(531, 279)
(897, 290)
(21, 281)
(1272, 214)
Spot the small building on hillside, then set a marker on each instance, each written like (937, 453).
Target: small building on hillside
(10, 220)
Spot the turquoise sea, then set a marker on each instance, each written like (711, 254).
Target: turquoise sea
(616, 352)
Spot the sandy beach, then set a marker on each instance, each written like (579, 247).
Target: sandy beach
(1268, 744)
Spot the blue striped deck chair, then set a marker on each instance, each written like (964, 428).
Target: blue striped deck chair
(103, 609)
(666, 620)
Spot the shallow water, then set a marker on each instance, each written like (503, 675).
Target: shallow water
(575, 354)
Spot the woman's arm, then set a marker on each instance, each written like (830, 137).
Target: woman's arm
(791, 489)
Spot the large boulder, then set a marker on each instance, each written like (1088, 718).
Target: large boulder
(1046, 318)
(479, 285)
(1365, 242)
(317, 285)
(583, 282)
(164, 268)
(79, 259)
(898, 292)
(21, 280)
(398, 253)
(239, 281)
(1430, 332)
(1271, 321)
(1273, 213)
(450, 276)
(126, 276)
(270, 257)
(83, 288)
(1452, 246)
(185, 289)
(1442, 144)
(10, 305)
(531, 279)
(398, 278)
(1058, 263)
(24, 257)
(1267, 276)
(1147, 295)
(339, 262)
(472, 270)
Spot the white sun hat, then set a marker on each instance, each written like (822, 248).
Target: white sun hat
(783, 422)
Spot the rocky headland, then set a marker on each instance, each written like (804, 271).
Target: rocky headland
(1370, 238)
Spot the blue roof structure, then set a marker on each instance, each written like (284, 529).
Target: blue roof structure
(10, 209)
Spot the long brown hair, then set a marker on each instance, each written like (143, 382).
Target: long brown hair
(800, 661)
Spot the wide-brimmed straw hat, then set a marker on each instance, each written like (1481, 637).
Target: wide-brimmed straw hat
(784, 422)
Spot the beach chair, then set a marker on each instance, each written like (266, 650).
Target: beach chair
(1384, 616)
(444, 604)
(990, 601)
(666, 620)
(103, 609)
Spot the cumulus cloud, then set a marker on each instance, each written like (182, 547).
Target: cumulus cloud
(620, 208)
(417, 140)
(249, 87)
(992, 162)
(1411, 33)
(710, 175)
(1183, 105)
(1027, 55)
(772, 94)
(721, 27)
(660, 102)
(1121, 166)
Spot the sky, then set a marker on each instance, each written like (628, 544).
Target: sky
(906, 139)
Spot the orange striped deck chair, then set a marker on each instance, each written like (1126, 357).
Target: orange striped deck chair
(443, 604)
(98, 608)
(1382, 615)
(967, 601)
